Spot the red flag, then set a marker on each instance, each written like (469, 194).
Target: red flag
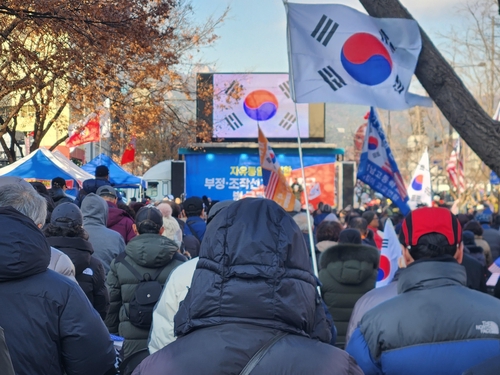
(85, 131)
(129, 153)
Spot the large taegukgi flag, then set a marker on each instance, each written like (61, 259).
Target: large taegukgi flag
(378, 168)
(275, 184)
(337, 54)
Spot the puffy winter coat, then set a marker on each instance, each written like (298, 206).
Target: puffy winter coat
(61, 263)
(371, 299)
(195, 226)
(146, 253)
(120, 221)
(107, 243)
(50, 326)
(347, 271)
(89, 272)
(90, 186)
(253, 280)
(434, 326)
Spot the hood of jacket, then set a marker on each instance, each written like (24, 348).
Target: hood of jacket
(94, 210)
(254, 268)
(350, 264)
(115, 214)
(24, 251)
(151, 250)
(77, 249)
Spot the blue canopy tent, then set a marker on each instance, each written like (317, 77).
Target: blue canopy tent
(117, 175)
(41, 165)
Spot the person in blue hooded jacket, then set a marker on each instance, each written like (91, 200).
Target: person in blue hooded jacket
(50, 326)
(253, 284)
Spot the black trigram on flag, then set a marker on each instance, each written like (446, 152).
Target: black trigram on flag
(324, 30)
(332, 78)
(285, 87)
(287, 121)
(233, 121)
(231, 88)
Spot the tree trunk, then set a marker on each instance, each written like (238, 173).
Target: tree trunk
(449, 93)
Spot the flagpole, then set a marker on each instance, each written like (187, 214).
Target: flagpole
(309, 223)
(308, 214)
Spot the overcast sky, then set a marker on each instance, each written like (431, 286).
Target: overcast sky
(253, 39)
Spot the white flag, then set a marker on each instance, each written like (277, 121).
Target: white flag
(419, 189)
(389, 255)
(337, 54)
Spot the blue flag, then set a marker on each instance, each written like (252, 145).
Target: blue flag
(378, 168)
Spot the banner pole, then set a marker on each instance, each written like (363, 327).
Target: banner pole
(309, 223)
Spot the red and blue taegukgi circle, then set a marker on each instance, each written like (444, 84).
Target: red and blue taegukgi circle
(366, 59)
(260, 105)
(384, 268)
(417, 182)
(372, 143)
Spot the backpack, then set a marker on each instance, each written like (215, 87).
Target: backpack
(147, 293)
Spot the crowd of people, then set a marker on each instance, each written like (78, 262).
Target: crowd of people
(96, 286)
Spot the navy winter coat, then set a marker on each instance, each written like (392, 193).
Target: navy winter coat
(253, 281)
(50, 326)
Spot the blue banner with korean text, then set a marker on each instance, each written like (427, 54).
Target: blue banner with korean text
(234, 176)
(378, 168)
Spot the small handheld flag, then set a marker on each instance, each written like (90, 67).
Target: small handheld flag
(275, 186)
(419, 190)
(337, 54)
(389, 255)
(378, 168)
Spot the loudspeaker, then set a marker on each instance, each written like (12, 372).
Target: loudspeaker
(178, 178)
(346, 179)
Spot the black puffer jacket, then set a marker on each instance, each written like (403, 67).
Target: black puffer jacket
(89, 272)
(347, 272)
(50, 326)
(253, 281)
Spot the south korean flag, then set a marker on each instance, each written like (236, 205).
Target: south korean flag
(337, 54)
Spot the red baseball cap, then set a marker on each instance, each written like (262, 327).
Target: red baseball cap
(427, 220)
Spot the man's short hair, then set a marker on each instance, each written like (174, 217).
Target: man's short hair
(359, 223)
(430, 232)
(58, 182)
(193, 206)
(19, 194)
(148, 220)
(101, 171)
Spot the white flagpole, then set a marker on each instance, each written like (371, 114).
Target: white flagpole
(309, 223)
